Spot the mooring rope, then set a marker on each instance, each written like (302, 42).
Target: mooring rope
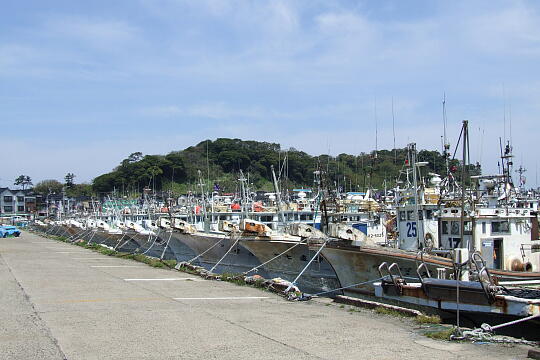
(166, 246)
(227, 253)
(92, 237)
(275, 257)
(119, 241)
(293, 283)
(345, 287)
(205, 251)
(155, 239)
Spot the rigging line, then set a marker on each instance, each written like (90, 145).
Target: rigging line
(457, 143)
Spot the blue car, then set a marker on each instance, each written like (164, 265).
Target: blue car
(9, 230)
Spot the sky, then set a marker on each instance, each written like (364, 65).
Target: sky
(83, 84)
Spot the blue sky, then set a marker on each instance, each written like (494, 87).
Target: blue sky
(85, 83)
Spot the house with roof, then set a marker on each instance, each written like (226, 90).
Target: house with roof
(17, 202)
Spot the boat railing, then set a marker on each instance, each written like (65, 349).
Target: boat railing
(481, 268)
(396, 278)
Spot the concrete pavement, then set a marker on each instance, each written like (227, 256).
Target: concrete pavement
(60, 301)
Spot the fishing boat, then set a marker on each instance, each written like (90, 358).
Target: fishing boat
(467, 295)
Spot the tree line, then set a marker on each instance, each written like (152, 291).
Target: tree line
(217, 165)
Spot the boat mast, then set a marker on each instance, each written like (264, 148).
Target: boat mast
(278, 195)
(463, 185)
(412, 147)
(244, 194)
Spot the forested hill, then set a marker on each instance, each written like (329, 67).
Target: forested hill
(220, 161)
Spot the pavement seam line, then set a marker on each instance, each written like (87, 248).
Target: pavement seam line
(47, 330)
(264, 336)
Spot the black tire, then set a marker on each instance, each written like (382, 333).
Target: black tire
(17, 234)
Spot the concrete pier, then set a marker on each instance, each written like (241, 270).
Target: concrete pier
(59, 301)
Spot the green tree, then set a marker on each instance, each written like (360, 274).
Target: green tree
(23, 181)
(134, 157)
(69, 179)
(49, 186)
(80, 190)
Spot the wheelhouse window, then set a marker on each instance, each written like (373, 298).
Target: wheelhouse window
(429, 214)
(20, 198)
(410, 215)
(500, 227)
(467, 228)
(8, 208)
(402, 216)
(420, 215)
(483, 227)
(444, 227)
(454, 229)
(20, 208)
(8, 198)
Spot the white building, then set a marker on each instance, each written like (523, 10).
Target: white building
(16, 202)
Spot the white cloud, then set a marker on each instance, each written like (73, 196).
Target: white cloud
(508, 31)
(280, 68)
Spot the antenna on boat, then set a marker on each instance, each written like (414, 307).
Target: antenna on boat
(376, 128)
(394, 132)
(446, 145)
(522, 179)
(504, 113)
(510, 121)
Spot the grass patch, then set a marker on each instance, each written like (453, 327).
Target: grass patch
(428, 319)
(384, 311)
(440, 334)
(259, 283)
(233, 278)
(59, 238)
(124, 255)
(169, 263)
(185, 269)
(106, 251)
